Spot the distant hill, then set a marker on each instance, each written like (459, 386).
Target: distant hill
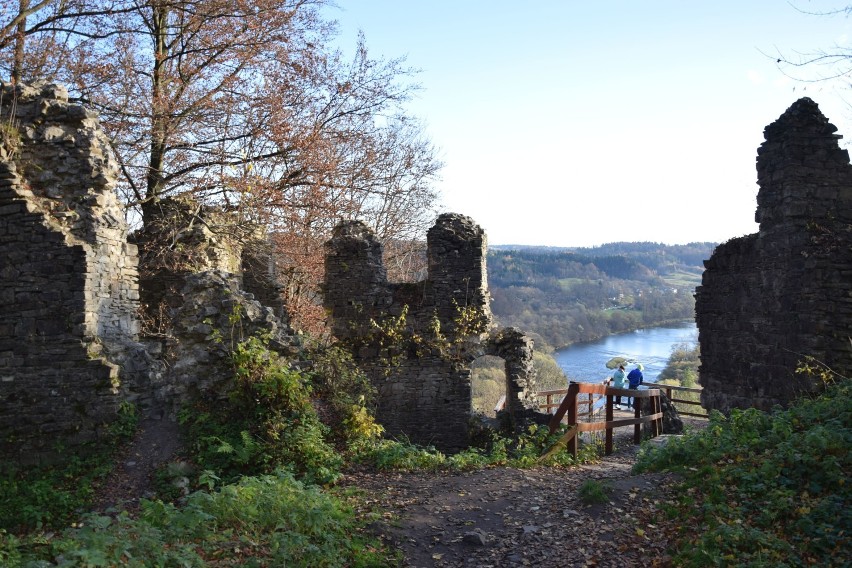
(567, 295)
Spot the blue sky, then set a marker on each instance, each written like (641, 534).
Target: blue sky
(575, 123)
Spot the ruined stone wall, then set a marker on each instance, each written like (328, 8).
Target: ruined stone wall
(67, 275)
(70, 353)
(521, 402)
(426, 399)
(212, 315)
(416, 340)
(456, 253)
(356, 285)
(769, 299)
(182, 237)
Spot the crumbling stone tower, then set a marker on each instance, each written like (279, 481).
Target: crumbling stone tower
(770, 299)
(423, 377)
(67, 275)
(69, 324)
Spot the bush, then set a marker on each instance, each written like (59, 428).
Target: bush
(269, 422)
(767, 489)
(338, 381)
(271, 520)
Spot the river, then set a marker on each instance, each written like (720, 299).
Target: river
(586, 362)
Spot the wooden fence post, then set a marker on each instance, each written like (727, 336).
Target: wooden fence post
(573, 390)
(609, 417)
(637, 428)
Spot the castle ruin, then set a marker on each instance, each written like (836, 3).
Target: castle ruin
(770, 301)
(71, 352)
(70, 349)
(416, 340)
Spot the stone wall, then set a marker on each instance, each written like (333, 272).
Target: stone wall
(212, 314)
(67, 275)
(416, 340)
(456, 250)
(356, 283)
(521, 403)
(182, 237)
(770, 299)
(70, 353)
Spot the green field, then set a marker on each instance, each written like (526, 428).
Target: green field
(683, 279)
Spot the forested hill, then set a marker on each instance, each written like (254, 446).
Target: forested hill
(567, 295)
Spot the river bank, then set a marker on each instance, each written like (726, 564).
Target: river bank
(586, 362)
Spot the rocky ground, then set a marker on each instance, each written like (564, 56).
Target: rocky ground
(533, 517)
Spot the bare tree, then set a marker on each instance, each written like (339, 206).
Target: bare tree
(241, 104)
(820, 64)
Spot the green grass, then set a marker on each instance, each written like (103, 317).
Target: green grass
(33, 497)
(262, 520)
(683, 280)
(253, 465)
(50, 496)
(594, 492)
(523, 452)
(765, 489)
(271, 520)
(567, 283)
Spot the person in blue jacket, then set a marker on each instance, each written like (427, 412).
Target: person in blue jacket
(635, 378)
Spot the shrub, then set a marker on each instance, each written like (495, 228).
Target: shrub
(338, 381)
(269, 422)
(767, 488)
(271, 520)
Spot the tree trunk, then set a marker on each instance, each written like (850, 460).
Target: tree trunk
(18, 63)
(158, 113)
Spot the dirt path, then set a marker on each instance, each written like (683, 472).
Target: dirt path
(509, 517)
(488, 518)
(155, 443)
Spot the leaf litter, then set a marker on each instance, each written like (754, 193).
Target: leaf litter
(509, 517)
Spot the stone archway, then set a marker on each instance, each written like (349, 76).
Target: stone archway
(487, 384)
(516, 349)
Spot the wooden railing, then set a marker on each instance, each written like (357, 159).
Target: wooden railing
(578, 402)
(552, 399)
(585, 395)
(568, 408)
(671, 390)
(549, 406)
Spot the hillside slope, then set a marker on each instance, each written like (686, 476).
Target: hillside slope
(571, 295)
